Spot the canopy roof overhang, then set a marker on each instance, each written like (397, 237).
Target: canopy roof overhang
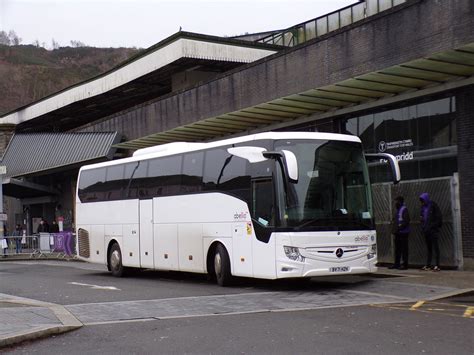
(33, 155)
(21, 188)
(141, 78)
(438, 72)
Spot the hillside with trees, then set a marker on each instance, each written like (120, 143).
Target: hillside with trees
(30, 72)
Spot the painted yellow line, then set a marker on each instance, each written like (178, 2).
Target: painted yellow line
(469, 311)
(417, 305)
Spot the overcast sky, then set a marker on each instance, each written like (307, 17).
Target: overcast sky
(142, 23)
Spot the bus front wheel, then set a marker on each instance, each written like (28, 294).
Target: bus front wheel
(222, 266)
(115, 261)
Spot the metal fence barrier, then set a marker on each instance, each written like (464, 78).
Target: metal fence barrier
(445, 191)
(62, 244)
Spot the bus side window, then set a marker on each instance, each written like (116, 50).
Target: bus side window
(114, 182)
(164, 176)
(191, 178)
(90, 185)
(214, 164)
(137, 174)
(226, 173)
(263, 210)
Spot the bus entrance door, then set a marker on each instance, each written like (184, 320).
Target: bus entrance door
(242, 248)
(146, 234)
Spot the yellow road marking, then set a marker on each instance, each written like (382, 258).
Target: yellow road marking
(469, 311)
(417, 305)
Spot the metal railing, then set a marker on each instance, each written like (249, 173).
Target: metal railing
(330, 22)
(62, 244)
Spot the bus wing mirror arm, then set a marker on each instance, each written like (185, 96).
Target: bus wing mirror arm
(384, 157)
(288, 161)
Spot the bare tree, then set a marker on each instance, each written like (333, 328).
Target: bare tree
(10, 38)
(54, 44)
(36, 43)
(77, 44)
(4, 39)
(14, 39)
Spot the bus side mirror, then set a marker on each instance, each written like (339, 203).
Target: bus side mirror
(252, 154)
(258, 154)
(291, 165)
(287, 161)
(384, 157)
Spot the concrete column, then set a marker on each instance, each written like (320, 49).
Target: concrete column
(6, 133)
(465, 129)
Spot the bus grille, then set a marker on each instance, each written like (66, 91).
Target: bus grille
(84, 245)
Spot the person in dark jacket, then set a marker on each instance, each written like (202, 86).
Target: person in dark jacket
(431, 221)
(54, 227)
(43, 226)
(401, 230)
(18, 233)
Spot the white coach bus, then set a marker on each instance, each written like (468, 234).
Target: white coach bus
(270, 205)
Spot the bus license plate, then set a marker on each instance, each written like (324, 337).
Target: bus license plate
(339, 269)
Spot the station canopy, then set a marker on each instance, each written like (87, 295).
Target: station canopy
(37, 153)
(453, 68)
(150, 74)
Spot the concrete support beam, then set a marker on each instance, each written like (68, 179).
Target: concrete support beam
(465, 127)
(6, 133)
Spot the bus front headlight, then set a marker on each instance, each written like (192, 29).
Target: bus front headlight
(293, 253)
(372, 251)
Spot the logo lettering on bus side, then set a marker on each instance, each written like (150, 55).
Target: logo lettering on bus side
(362, 238)
(240, 216)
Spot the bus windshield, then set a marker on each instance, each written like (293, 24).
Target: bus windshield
(333, 188)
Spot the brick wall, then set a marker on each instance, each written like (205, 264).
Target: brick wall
(465, 132)
(419, 29)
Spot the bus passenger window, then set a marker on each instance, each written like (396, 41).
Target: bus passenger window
(191, 178)
(263, 210)
(90, 185)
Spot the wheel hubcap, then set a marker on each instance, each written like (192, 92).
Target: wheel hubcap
(115, 259)
(218, 264)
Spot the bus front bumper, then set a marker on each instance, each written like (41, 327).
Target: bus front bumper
(311, 268)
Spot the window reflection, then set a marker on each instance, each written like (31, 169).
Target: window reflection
(412, 133)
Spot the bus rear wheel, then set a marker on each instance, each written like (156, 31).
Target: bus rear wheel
(222, 266)
(115, 261)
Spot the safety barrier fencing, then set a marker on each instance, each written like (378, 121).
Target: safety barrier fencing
(62, 245)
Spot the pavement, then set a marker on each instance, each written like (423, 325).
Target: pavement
(27, 319)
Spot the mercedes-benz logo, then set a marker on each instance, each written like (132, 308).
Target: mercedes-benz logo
(382, 146)
(339, 252)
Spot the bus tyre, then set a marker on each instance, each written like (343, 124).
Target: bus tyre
(222, 266)
(115, 261)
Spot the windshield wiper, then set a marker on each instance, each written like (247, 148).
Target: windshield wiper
(334, 222)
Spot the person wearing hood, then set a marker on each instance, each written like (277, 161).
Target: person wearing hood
(401, 229)
(431, 221)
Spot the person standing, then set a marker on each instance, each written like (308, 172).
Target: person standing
(4, 243)
(431, 222)
(401, 230)
(43, 226)
(54, 227)
(18, 233)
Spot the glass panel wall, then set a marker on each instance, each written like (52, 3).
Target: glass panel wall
(422, 136)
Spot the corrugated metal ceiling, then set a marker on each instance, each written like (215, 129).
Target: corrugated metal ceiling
(412, 76)
(36, 152)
